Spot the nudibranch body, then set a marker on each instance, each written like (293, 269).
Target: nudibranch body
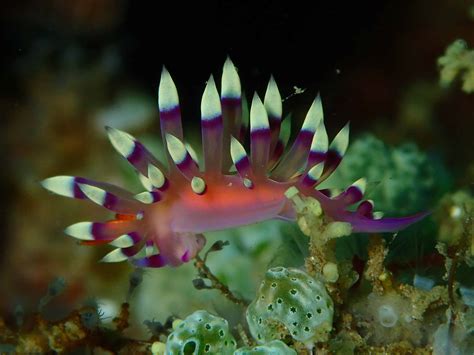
(164, 225)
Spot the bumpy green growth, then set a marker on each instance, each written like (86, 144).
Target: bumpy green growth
(401, 180)
(289, 301)
(275, 347)
(201, 333)
(458, 60)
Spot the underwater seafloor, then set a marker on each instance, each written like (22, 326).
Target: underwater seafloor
(403, 74)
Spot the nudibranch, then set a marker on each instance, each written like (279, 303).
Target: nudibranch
(164, 225)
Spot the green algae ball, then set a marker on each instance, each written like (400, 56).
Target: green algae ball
(290, 302)
(401, 180)
(201, 333)
(275, 347)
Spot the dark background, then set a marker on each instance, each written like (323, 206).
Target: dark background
(360, 55)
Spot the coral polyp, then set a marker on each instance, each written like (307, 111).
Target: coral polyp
(164, 225)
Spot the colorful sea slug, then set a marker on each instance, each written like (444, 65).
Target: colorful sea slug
(164, 225)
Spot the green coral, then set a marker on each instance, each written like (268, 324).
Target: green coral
(457, 61)
(275, 347)
(456, 228)
(290, 302)
(401, 180)
(201, 333)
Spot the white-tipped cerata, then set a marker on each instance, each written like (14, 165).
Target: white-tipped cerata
(272, 100)
(316, 171)
(237, 150)
(61, 185)
(156, 176)
(167, 92)
(314, 116)
(81, 230)
(258, 115)
(230, 81)
(115, 256)
(124, 241)
(210, 103)
(320, 141)
(95, 194)
(146, 183)
(341, 141)
(360, 184)
(123, 142)
(176, 148)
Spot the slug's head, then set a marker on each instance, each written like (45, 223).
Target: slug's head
(179, 248)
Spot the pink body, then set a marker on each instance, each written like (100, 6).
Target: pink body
(226, 204)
